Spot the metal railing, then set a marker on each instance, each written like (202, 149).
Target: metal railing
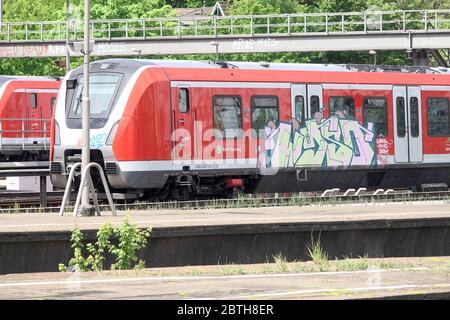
(22, 134)
(232, 26)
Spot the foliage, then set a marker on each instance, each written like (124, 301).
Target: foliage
(33, 10)
(129, 237)
(78, 262)
(248, 7)
(316, 252)
(98, 250)
(281, 262)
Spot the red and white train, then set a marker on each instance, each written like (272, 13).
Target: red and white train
(177, 128)
(26, 106)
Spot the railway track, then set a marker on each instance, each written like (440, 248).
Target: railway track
(16, 202)
(28, 199)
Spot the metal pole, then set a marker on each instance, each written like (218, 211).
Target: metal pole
(67, 35)
(85, 154)
(1, 12)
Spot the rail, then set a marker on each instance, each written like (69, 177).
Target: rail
(245, 202)
(231, 26)
(24, 133)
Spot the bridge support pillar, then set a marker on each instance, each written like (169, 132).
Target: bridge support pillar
(419, 58)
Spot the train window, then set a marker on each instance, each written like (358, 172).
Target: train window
(34, 100)
(314, 105)
(401, 120)
(414, 112)
(227, 116)
(264, 113)
(375, 111)
(102, 89)
(438, 117)
(183, 100)
(344, 105)
(299, 108)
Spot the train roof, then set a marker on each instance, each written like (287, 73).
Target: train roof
(277, 72)
(40, 78)
(194, 64)
(4, 79)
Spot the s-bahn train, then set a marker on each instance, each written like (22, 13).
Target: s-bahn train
(26, 106)
(178, 128)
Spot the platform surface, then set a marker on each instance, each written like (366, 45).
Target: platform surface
(413, 278)
(41, 222)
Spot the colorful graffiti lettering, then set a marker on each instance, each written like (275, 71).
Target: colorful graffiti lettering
(326, 142)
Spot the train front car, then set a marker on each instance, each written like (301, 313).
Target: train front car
(124, 118)
(182, 128)
(26, 106)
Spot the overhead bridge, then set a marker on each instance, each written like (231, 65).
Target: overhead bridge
(305, 32)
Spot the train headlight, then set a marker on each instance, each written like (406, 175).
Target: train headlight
(57, 134)
(112, 134)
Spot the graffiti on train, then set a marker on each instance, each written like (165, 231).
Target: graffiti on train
(327, 142)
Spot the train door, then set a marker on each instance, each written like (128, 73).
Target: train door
(306, 100)
(299, 102)
(33, 122)
(407, 124)
(315, 100)
(183, 125)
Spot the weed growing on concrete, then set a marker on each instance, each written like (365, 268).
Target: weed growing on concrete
(267, 268)
(78, 262)
(231, 270)
(281, 263)
(129, 237)
(97, 250)
(386, 265)
(349, 264)
(317, 253)
(303, 267)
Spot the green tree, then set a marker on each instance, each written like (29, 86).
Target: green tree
(126, 9)
(247, 7)
(33, 10)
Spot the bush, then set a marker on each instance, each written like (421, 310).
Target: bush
(129, 237)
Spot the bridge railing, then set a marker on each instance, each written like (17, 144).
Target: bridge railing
(232, 26)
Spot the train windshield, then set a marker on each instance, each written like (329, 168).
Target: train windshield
(102, 89)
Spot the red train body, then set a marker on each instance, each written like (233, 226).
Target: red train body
(180, 127)
(26, 106)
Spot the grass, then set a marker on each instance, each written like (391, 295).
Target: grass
(230, 270)
(247, 201)
(267, 268)
(349, 264)
(281, 264)
(317, 253)
(302, 268)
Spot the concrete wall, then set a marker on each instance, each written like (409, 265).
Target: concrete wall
(202, 245)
